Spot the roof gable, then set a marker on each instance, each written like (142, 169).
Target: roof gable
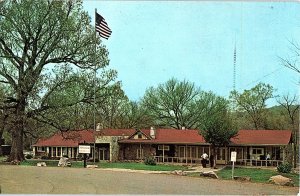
(139, 135)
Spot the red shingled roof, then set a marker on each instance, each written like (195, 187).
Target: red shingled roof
(259, 137)
(173, 136)
(116, 132)
(167, 136)
(67, 139)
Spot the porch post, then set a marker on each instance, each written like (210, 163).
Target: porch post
(140, 151)
(283, 154)
(61, 151)
(186, 153)
(226, 154)
(163, 153)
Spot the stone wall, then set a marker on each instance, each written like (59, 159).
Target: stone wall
(113, 145)
(130, 151)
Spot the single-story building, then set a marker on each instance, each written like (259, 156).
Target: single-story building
(63, 143)
(168, 145)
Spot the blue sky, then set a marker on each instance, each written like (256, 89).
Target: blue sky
(153, 41)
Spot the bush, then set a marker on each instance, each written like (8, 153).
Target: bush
(44, 157)
(284, 168)
(150, 160)
(28, 156)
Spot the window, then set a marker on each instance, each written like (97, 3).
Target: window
(58, 152)
(54, 151)
(139, 153)
(258, 151)
(140, 136)
(41, 149)
(163, 147)
(181, 151)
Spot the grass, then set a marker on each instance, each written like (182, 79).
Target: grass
(142, 166)
(256, 174)
(3, 158)
(134, 166)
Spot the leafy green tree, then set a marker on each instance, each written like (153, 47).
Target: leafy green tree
(253, 102)
(216, 125)
(134, 116)
(172, 104)
(32, 40)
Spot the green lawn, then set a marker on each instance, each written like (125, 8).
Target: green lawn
(3, 158)
(135, 166)
(142, 166)
(256, 174)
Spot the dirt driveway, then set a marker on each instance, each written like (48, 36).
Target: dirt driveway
(52, 180)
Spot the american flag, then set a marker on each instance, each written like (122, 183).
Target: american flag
(102, 27)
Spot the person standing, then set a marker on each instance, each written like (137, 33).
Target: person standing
(204, 159)
(268, 158)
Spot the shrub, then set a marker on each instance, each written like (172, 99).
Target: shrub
(284, 168)
(150, 160)
(44, 157)
(28, 156)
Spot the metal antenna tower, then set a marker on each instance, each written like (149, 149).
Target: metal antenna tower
(234, 66)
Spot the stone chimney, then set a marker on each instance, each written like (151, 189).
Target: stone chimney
(99, 127)
(152, 132)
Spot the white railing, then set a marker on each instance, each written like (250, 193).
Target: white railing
(184, 160)
(261, 163)
(191, 160)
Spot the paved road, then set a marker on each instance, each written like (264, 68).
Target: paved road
(51, 180)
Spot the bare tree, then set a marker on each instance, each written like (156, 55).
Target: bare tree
(292, 62)
(291, 106)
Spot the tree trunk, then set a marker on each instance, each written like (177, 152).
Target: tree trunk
(214, 152)
(1, 153)
(2, 127)
(16, 153)
(295, 150)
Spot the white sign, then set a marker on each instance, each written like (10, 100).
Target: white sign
(84, 149)
(233, 156)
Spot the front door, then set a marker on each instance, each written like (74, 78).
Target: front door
(102, 154)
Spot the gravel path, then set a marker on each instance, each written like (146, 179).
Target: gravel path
(52, 180)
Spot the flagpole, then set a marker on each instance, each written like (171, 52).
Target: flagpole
(95, 90)
(104, 31)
